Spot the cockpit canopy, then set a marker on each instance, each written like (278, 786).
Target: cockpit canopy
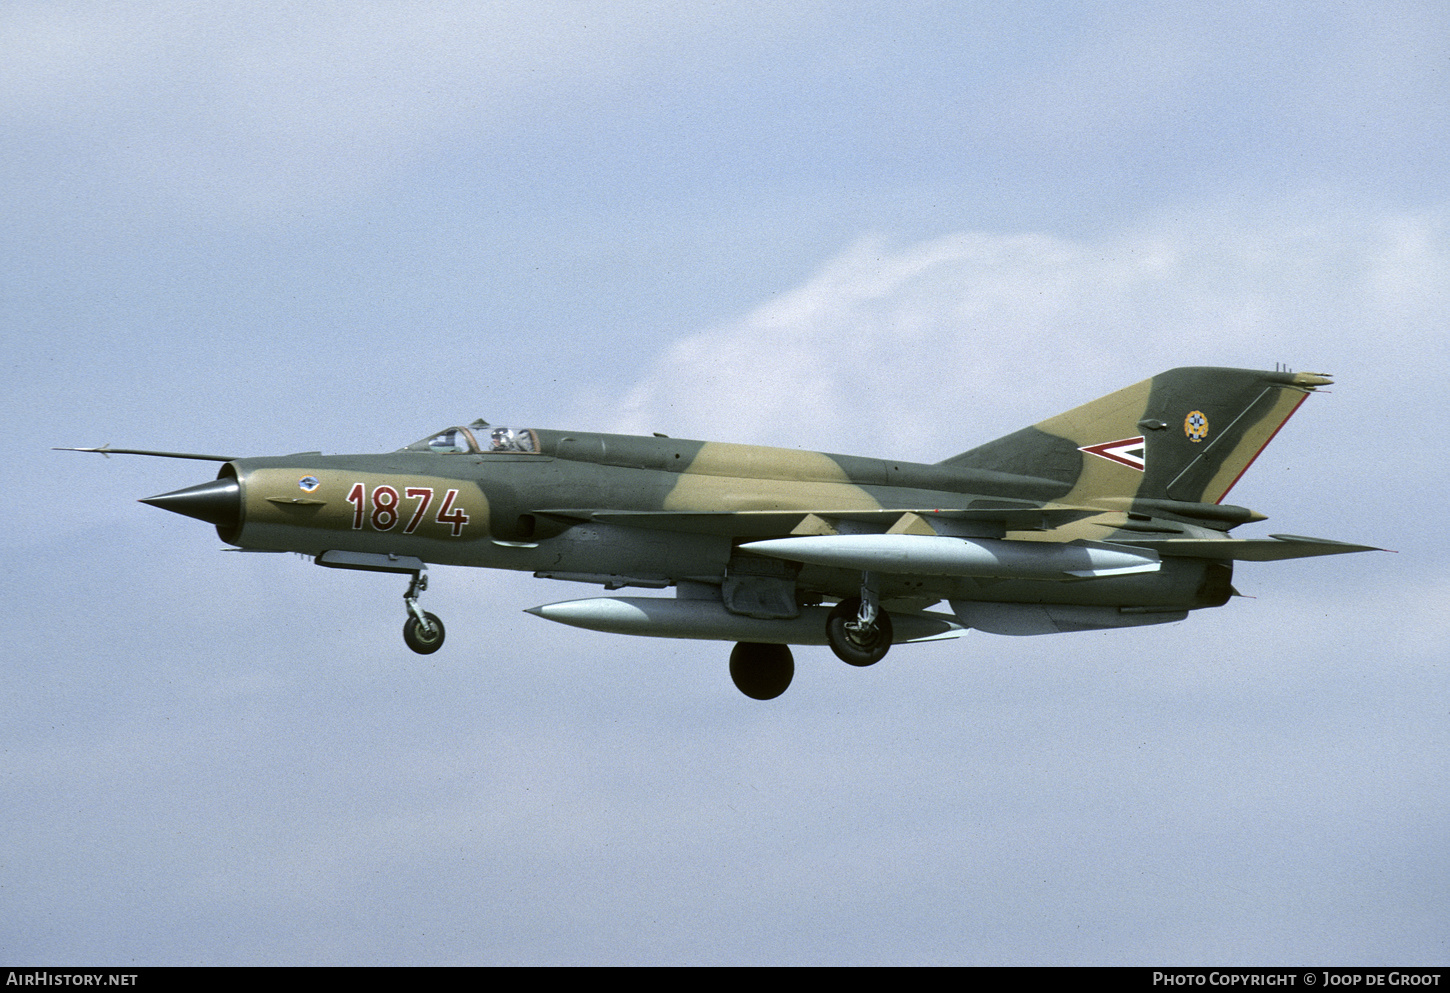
(479, 438)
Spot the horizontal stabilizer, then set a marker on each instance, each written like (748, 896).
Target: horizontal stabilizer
(1270, 549)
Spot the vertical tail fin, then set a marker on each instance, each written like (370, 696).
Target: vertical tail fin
(1184, 435)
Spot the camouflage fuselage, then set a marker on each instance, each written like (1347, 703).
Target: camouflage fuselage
(629, 510)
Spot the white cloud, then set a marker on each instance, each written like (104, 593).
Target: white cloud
(923, 350)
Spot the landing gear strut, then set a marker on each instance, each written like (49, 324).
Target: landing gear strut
(858, 629)
(423, 632)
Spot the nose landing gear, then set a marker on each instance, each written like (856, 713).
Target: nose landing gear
(422, 632)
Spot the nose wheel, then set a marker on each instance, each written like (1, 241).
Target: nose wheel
(424, 637)
(422, 632)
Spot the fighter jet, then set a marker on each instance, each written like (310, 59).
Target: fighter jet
(1108, 516)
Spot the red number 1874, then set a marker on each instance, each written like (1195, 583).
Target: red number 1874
(386, 510)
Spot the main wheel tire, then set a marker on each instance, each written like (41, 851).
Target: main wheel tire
(856, 648)
(761, 672)
(421, 641)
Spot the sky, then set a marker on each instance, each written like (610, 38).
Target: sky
(895, 230)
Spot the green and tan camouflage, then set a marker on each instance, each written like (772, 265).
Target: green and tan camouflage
(1109, 515)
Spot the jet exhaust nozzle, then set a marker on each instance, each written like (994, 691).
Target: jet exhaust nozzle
(218, 502)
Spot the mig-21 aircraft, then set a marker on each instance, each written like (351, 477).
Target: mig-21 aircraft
(1107, 516)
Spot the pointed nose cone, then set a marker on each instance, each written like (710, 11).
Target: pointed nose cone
(218, 502)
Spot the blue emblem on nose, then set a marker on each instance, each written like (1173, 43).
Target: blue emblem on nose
(308, 483)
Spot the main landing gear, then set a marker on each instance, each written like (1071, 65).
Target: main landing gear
(858, 630)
